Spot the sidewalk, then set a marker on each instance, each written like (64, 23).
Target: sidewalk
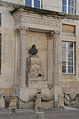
(49, 114)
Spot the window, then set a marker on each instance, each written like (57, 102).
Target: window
(33, 3)
(69, 6)
(68, 57)
(0, 50)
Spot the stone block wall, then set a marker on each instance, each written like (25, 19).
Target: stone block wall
(8, 49)
(70, 83)
(38, 30)
(53, 5)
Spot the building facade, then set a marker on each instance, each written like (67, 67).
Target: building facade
(39, 51)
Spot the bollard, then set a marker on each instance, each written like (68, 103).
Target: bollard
(37, 102)
(61, 101)
(40, 115)
(2, 102)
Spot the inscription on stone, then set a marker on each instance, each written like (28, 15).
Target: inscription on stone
(39, 21)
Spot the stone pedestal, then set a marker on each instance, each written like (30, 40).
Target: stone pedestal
(40, 115)
(2, 102)
(61, 101)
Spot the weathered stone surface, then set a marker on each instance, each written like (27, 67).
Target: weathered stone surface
(47, 34)
(47, 105)
(13, 102)
(40, 115)
(77, 102)
(34, 70)
(2, 102)
(29, 105)
(37, 102)
(61, 101)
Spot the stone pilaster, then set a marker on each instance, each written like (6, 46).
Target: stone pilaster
(53, 58)
(50, 61)
(21, 89)
(56, 38)
(57, 89)
(22, 57)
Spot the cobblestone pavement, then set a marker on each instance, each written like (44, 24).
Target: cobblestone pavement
(49, 114)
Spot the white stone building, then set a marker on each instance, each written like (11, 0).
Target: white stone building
(52, 69)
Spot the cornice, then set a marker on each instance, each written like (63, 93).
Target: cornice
(47, 13)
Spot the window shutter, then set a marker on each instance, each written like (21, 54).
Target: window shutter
(37, 3)
(29, 3)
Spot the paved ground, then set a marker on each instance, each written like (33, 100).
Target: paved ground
(49, 114)
(62, 115)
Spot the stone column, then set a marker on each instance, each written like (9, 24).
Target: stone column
(22, 57)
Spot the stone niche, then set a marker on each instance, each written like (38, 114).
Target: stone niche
(36, 69)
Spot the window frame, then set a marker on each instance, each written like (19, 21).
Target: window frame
(67, 57)
(32, 4)
(69, 6)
